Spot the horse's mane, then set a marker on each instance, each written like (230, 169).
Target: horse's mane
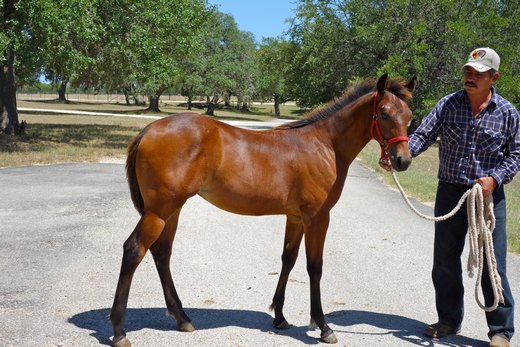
(351, 94)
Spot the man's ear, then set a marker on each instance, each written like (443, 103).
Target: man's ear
(495, 77)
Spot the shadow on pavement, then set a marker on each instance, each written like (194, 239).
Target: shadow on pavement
(406, 329)
(155, 318)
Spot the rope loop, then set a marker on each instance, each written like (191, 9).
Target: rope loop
(481, 223)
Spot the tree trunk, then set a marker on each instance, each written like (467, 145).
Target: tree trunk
(190, 102)
(212, 105)
(227, 99)
(276, 105)
(63, 90)
(127, 96)
(154, 103)
(9, 123)
(211, 109)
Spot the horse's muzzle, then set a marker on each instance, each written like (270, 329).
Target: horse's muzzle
(401, 163)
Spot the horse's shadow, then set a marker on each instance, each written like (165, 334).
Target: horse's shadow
(155, 318)
(406, 329)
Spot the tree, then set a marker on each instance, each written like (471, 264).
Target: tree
(225, 65)
(34, 34)
(8, 111)
(159, 35)
(273, 63)
(144, 45)
(70, 50)
(320, 52)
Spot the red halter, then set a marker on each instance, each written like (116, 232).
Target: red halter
(376, 130)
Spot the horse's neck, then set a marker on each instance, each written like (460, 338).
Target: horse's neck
(349, 129)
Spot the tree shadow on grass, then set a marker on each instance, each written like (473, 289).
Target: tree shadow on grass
(39, 136)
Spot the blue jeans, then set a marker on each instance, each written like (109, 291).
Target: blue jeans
(450, 237)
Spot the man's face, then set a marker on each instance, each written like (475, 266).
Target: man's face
(478, 82)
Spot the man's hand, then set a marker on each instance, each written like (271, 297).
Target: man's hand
(385, 164)
(488, 185)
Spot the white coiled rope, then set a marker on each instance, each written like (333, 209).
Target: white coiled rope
(481, 223)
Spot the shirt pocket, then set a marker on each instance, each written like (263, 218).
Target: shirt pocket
(491, 140)
(453, 133)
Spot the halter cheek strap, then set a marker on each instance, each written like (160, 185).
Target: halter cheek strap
(375, 130)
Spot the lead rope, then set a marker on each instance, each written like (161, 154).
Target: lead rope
(481, 223)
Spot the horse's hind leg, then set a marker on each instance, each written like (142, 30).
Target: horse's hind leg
(161, 251)
(293, 238)
(144, 235)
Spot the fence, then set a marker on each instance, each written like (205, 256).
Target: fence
(93, 98)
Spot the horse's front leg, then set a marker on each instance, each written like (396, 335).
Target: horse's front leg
(314, 242)
(293, 238)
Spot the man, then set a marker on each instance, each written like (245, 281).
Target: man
(479, 134)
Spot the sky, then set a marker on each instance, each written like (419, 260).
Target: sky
(263, 18)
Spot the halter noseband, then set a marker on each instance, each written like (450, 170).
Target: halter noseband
(376, 130)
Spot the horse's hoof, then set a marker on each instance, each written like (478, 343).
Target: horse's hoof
(122, 342)
(284, 325)
(187, 327)
(329, 337)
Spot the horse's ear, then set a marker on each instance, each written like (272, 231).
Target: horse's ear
(381, 83)
(412, 84)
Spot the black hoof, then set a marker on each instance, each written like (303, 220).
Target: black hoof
(284, 325)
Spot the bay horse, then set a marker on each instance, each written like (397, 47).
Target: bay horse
(297, 169)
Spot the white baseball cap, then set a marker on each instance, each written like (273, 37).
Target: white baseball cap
(483, 59)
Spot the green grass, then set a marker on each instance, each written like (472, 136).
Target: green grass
(57, 138)
(420, 181)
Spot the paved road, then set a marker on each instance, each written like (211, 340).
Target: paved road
(62, 229)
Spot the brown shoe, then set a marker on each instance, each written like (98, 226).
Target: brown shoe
(440, 330)
(499, 341)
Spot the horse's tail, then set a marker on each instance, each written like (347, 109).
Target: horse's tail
(131, 174)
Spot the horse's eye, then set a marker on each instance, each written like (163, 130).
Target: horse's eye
(384, 115)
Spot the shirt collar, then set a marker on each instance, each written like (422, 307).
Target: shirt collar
(492, 101)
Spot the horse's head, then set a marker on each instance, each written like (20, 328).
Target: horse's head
(391, 118)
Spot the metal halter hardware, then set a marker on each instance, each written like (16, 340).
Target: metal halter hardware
(376, 130)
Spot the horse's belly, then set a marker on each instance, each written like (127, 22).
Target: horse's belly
(252, 204)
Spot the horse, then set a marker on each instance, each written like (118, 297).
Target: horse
(297, 169)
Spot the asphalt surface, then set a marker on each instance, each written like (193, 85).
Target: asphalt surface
(62, 229)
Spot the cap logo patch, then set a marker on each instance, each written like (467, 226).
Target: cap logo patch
(478, 54)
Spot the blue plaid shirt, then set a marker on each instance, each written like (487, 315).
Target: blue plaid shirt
(469, 147)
